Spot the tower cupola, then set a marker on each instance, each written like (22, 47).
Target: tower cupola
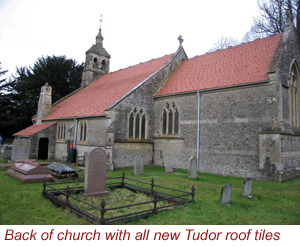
(96, 61)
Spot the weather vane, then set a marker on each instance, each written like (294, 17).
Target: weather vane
(101, 20)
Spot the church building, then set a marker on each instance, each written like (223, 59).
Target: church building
(236, 110)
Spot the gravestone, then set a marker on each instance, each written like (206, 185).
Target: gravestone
(192, 174)
(225, 194)
(168, 169)
(247, 187)
(95, 173)
(61, 170)
(138, 165)
(29, 171)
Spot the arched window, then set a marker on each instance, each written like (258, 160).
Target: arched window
(61, 130)
(164, 131)
(170, 120)
(82, 131)
(95, 62)
(137, 125)
(131, 125)
(294, 97)
(103, 65)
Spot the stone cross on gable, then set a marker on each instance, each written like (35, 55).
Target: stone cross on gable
(180, 39)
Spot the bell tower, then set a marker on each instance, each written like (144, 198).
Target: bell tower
(96, 61)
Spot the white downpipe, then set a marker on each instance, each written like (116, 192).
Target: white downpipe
(75, 134)
(198, 132)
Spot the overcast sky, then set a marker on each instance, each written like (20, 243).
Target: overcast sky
(134, 30)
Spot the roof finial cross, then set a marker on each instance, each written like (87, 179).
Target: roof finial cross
(180, 39)
(101, 20)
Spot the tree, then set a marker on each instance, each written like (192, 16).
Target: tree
(62, 74)
(2, 81)
(273, 18)
(223, 43)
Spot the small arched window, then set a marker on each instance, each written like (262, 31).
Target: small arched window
(103, 65)
(170, 120)
(61, 130)
(82, 131)
(137, 125)
(95, 62)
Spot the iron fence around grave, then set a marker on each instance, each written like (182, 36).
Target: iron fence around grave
(160, 198)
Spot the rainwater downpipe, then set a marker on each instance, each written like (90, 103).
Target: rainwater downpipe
(198, 131)
(75, 134)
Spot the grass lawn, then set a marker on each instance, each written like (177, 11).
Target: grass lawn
(272, 203)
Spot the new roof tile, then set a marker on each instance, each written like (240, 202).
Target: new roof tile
(95, 98)
(33, 129)
(241, 64)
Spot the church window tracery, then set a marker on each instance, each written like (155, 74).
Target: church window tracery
(82, 131)
(294, 97)
(61, 130)
(137, 125)
(170, 120)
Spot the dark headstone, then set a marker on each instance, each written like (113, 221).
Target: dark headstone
(225, 194)
(95, 173)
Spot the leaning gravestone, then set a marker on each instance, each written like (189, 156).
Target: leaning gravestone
(225, 194)
(193, 168)
(138, 165)
(247, 187)
(95, 173)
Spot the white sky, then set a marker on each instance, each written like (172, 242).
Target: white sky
(134, 30)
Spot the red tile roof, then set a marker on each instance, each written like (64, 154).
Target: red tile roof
(241, 64)
(107, 89)
(33, 129)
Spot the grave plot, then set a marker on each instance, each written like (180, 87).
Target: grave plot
(60, 170)
(28, 171)
(136, 199)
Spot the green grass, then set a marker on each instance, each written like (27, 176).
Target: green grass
(272, 203)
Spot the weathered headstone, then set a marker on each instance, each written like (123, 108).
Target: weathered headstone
(225, 194)
(95, 173)
(247, 187)
(192, 174)
(168, 169)
(138, 165)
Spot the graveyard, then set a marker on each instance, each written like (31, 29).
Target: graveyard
(269, 203)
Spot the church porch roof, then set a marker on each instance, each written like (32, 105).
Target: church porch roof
(29, 131)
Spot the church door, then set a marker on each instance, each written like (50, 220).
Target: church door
(43, 148)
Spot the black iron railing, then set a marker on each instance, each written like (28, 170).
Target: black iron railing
(161, 198)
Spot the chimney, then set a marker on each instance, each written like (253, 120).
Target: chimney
(45, 103)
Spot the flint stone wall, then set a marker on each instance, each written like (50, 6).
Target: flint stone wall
(230, 123)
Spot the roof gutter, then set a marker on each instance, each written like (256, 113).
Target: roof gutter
(77, 117)
(213, 89)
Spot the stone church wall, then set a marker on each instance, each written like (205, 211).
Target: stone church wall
(28, 147)
(230, 123)
(96, 133)
(141, 98)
